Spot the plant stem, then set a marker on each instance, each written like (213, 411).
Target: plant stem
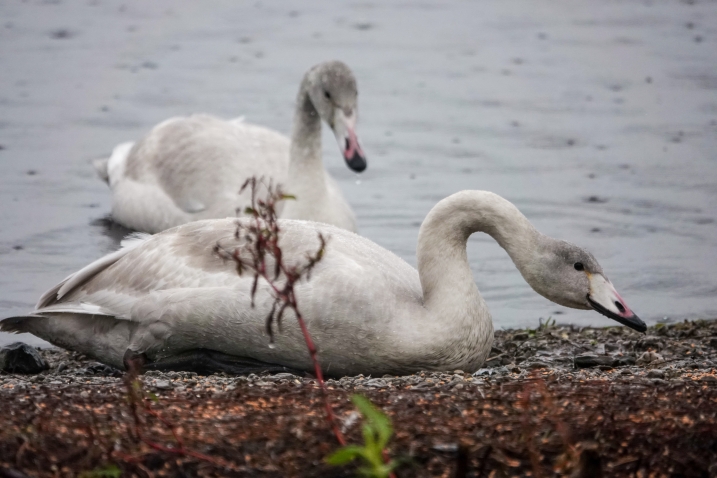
(320, 378)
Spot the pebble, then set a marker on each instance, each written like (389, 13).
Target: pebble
(686, 347)
(586, 361)
(163, 385)
(537, 365)
(377, 383)
(21, 358)
(650, 357)
(655, 374)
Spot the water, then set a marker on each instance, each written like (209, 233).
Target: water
(598, 120)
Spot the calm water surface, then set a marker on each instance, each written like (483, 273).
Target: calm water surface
(598, 120)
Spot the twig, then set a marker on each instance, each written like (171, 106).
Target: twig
(134, 388)
(261, 243)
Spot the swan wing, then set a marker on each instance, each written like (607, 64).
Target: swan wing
(192, 168)
(78, 278)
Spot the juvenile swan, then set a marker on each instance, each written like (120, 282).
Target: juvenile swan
(191, 168)
(172, 302)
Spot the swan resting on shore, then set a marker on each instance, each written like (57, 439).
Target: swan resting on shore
(191, 168)
(171, 301)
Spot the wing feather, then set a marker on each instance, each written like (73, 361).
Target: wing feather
(86, 273)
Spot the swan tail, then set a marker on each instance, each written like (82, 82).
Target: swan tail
(114, 166)
(102, 169)
(19, 324)
(101, 337)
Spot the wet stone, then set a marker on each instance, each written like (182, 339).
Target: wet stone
(586, 361)
(377, 383)
(163, 385)
(282, 376)
(495, 362)
(650, 357)
(655, 374)
(21, 358)
(102, 370)
(537, 365)
(623, 361)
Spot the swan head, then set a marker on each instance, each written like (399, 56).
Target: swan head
(333, 92)
(571, 276)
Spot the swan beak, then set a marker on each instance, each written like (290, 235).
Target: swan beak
(604, 298)
(345, 131)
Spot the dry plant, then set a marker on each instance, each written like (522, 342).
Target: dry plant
(261, 255)
(138, 400)
(578, 459)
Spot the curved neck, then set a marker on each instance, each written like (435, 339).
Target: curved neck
(306, 168)
(449, 290)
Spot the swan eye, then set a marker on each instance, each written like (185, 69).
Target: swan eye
(579, 266)
(327, 95)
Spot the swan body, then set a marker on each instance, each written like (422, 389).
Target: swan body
(192, 168)
(368, 310)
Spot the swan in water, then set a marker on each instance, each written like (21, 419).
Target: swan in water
(175, 304)
(191, 168)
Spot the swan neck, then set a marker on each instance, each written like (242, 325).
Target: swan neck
(305, 150)
(307, 178)
(442, 258)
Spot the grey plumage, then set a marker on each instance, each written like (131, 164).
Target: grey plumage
(368, 310)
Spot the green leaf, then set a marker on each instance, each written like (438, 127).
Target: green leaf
(377, 420)
(110, 471)
(344, 455)
(376, 471)
(288, 196)
(249, 211)
(153, 397)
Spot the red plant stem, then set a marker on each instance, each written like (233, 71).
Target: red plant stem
(312, 352)
(387, 460)
(180, 450)
(166, 423)
(267, 242)
(529, 431)
(320, 378)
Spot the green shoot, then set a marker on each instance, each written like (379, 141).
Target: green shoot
(377, 431)
(110, 471)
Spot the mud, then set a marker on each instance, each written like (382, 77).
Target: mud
(651, 410)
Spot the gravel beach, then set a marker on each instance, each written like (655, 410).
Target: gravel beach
(551, 400)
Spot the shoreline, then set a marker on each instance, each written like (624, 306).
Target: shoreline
(612, 396)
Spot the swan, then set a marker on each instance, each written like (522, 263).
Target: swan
(171, 301)
(191, 168)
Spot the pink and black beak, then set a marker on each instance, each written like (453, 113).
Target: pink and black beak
(604, 298)
(345, 131)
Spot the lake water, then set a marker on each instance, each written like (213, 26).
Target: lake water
(598, 120)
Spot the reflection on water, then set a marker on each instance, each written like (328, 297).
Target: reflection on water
(599, 122)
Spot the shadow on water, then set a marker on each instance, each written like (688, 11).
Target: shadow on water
(109, 228)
